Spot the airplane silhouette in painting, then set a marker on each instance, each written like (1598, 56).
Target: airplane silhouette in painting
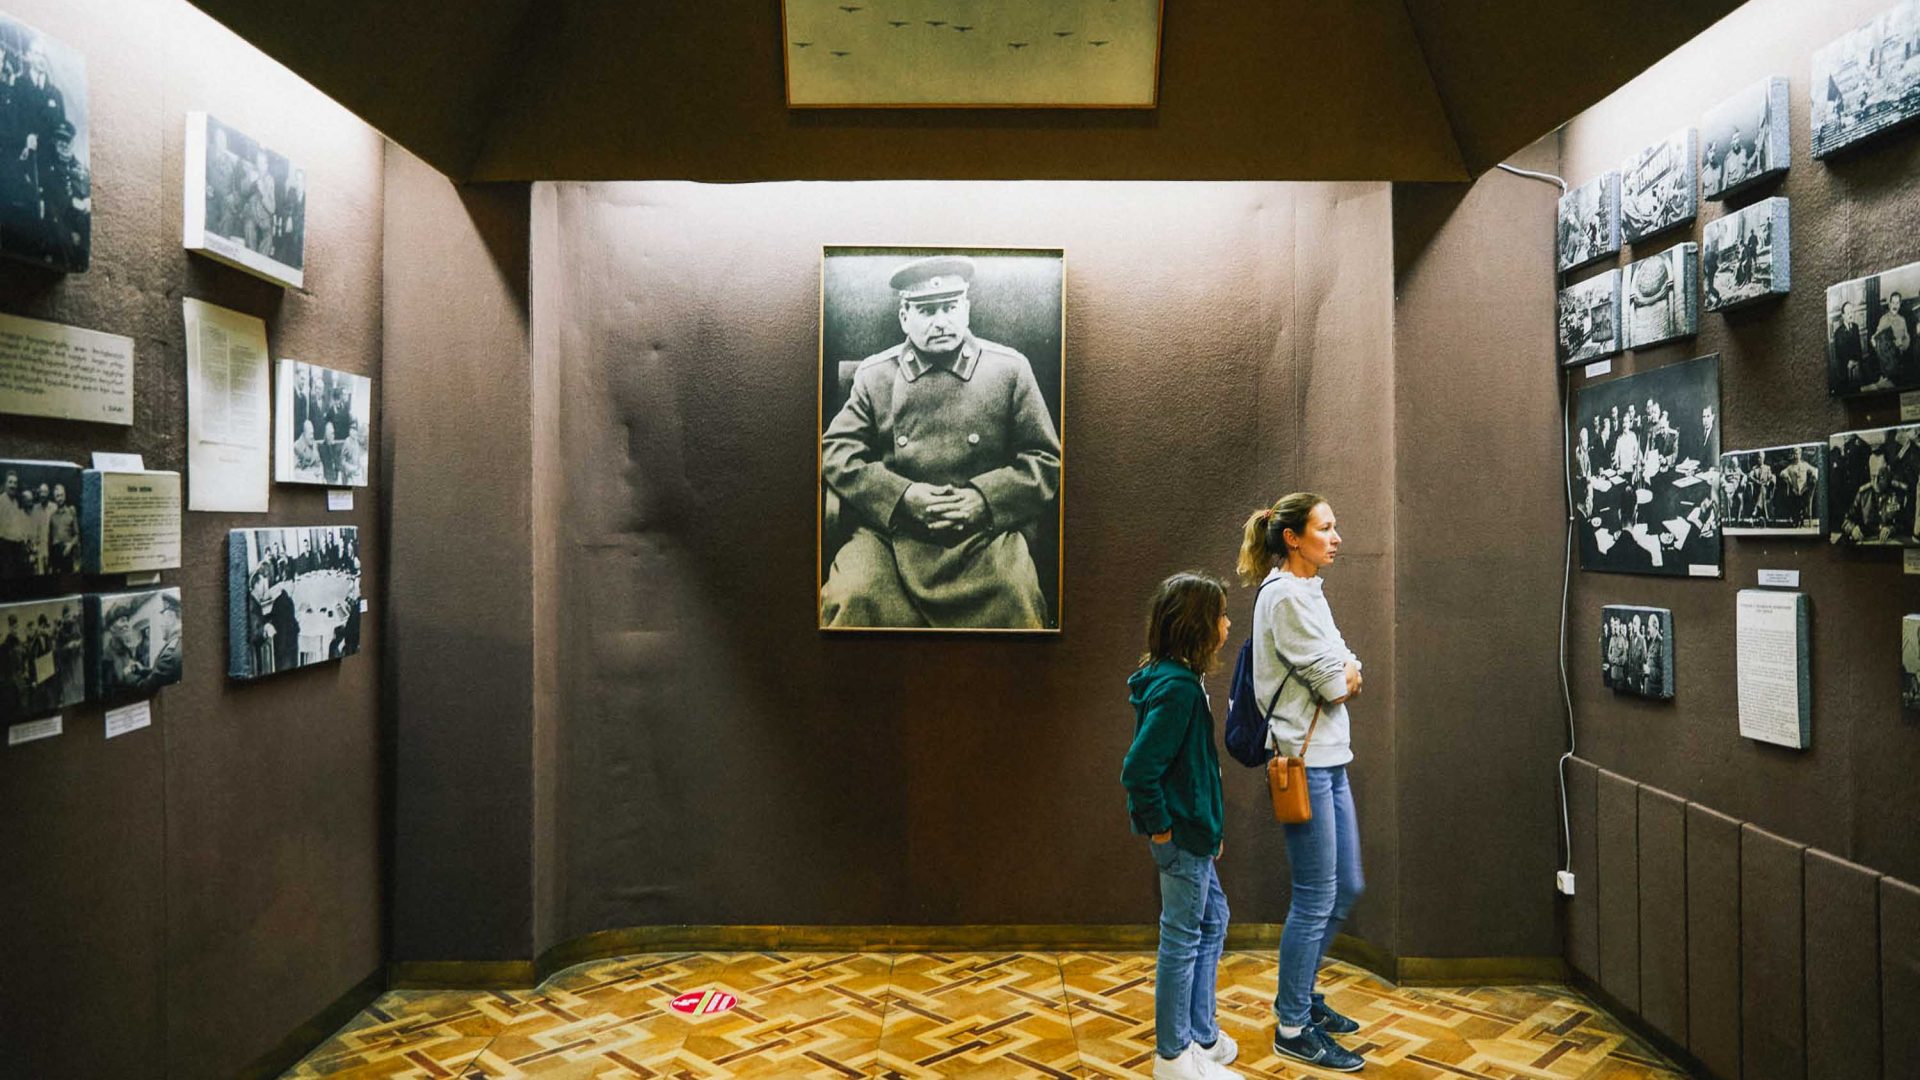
(1096, 44)
(1063, 33)
(936, 22)
(896, 23)
(1016, 45)
(851, 8)
(837, 52)
(963, 29)
(801, 44)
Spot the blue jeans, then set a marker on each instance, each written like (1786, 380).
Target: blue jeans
(1193, 930)
(1324, 854)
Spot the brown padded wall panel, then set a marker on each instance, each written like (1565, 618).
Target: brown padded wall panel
(1583, 907)
(1899, 977)
(1772, 968)
(1843, 968)
(1619, 856)
(1713, 940)
(1663, 912)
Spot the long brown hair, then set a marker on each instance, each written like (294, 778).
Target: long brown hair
(1184, 621)
(1264, 538)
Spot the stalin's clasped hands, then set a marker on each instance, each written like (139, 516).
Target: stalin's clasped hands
(945, 511)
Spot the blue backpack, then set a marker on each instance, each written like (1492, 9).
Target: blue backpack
(1246, 729)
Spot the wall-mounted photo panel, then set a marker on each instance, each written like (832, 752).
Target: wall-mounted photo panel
(136, 642)
(46, 181)
(1774, 676)
(1590, 221)
(1644, 461)
(42, 657)
(1744, 255)
(1660, 186)
(39, 519)
(246, 205)
(1660, 296)
(1865, 81)
(1872, 328)
(1636, 650)
(1777, 491)
(1589, 319)
(129, 521)
(320, 425)
(1872, 474)
(1910, 663)
(1745, 139)
(293, 598)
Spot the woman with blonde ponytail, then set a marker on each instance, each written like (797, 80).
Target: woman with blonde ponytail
(1304, 675)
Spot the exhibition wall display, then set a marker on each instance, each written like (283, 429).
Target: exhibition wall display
(321, 425)
(1744, 255)
(1745, 139)
(1660, 298)
(246, 205)
(1659, 186)
(1776, 491)
(293, 598)
(1865, 82)
(1645, 453)
(46, 182)
(1589, 319)
(1590, 221)
(1636, 644)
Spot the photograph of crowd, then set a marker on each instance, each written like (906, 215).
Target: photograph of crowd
(1910, 662)
(1867, 81)
(39, 519)
(1778, 491)
(1871, 327)
(1743, 256)
(1660, 296)
(1646, 456)
(136, 642)
(46, 185)
(1590, 221)
(320, 422)
(1746, 139)
(1660, 186)
(42, 657)
(1589, 319)
(246, 204)
(1636, 650)
(293, 598)
(1871, 485)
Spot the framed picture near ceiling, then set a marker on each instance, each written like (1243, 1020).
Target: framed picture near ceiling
(1587, 319)
(1746, 139)
(46, 179)
(940, 452)
(1865, 81)
(1644, 459)
(1659, 297)
(1589, 221)
(1745, 257)
(246, 205)
(972, 54)
(320, 422)
(1659, 186)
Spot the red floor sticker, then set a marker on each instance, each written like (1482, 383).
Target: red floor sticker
(704, 1001)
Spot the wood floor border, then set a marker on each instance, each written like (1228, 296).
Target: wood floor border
(301, 1041)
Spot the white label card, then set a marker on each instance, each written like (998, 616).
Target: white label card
(1910, 406)
(1912, 560)
(1780, 579)
(129, 718)
(106, 462)
(1599, 368)
(363, 605)
(1702, 570)
(34, 729)
(340, 499)
(150, 578)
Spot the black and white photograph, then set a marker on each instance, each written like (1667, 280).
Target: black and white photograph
(320, 422)
(136, 642)
(1588, 318)
(1636, 650)
(1870, 488)
(42, 657)
(46, 183)
(1590, 221)
(1659, 186)
(246, 205)
(940, 446)
(1776, 491)
(1871, 326)
(39, 519)
(293, 598)
(1659, 297)
(1910, 662)
(1865, 81)
(1744, 256)
(1645, 467)
(1745, 139)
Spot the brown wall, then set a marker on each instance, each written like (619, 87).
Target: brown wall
(178, 900)
(723, 761)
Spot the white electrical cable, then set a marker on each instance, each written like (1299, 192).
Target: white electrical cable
(1566, 570)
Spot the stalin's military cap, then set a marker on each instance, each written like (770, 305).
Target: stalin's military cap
(64, 130)
(940, 277)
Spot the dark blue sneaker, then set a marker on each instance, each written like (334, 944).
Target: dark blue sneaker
(1330, 1021)
(1317, 1048)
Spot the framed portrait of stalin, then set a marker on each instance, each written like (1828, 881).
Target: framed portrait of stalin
(941, 438)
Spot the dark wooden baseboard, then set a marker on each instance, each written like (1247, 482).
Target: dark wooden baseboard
(301, 1041)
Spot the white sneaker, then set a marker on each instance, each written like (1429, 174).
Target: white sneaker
(1223, 1052)
(1188, 1066)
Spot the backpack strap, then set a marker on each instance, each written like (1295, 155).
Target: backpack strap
(1274, 701)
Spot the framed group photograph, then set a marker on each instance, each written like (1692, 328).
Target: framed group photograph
(940, 448)
(136, 642)
(1590, 221)
(39, 519)
(1870, 493)
(1910, 663)
(1659, 186)
(1776, 491)
(320, 425)
(1659, 296)
(1744, 256)
(1636, 650)
(293, 598)
(1746, 139)
(246, 204)
(1871, 322)
(42, 657)
(1645, 457)
(1865, 82)
(1587, 319)
(46, 179)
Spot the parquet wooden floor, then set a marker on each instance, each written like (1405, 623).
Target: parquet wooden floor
(915, 1015)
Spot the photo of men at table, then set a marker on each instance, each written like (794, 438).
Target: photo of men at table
(1646, 455)
(320, 432)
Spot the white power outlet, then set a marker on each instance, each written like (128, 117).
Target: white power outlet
(1563, 881)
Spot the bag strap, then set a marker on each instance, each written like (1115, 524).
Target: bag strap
(1273, 701)
(1310, 726)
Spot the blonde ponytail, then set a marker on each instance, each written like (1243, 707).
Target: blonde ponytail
(1264, 538)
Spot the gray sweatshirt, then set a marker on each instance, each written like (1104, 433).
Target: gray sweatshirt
(1293, 625)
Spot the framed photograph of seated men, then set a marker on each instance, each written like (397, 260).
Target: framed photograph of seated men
(941, 438)
(246, 205)
(1870, 491)
(320, 422)
(1646, 453)
(1777, 491)
(1871, 323)
(46, 184)
(293, 598)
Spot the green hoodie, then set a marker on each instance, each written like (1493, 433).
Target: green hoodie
(1171, 773)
